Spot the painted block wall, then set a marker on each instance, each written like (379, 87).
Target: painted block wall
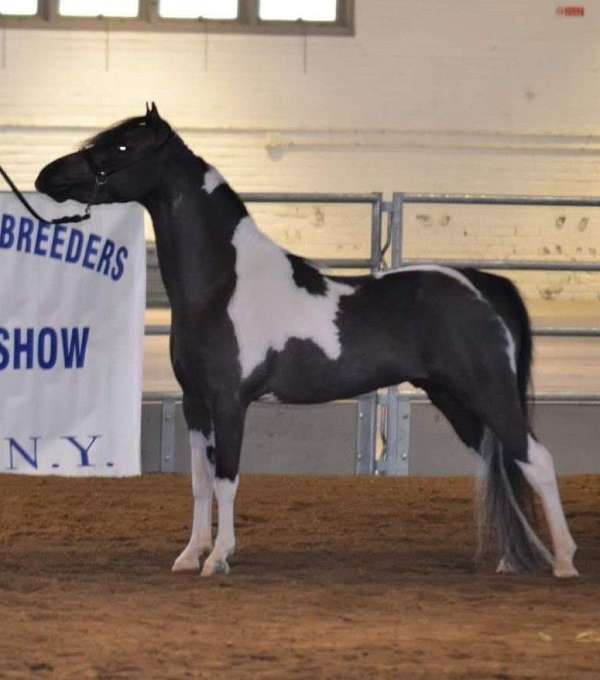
(441, 96)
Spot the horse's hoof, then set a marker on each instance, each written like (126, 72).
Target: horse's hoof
(566, 570)
(214, 568)
(186, 563)
(504, 567)
(189, 559)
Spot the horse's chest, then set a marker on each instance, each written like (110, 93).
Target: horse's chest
(204, 352)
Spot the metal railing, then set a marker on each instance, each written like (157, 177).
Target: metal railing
(394, 459)
(367, 408)
(400, 199)
(388, 415)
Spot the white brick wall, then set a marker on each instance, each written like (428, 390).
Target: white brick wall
(438, 95)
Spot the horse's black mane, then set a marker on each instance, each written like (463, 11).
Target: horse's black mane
(113, 133)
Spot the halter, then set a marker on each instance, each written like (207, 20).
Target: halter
(100, 179)
(59, 220)
(101, 176)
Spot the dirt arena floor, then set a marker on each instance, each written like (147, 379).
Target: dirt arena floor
(334, 578)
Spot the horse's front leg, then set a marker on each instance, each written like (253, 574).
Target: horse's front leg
(228, 420)
(203, 475)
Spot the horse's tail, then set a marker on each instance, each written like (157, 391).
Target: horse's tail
(524, 350)
(505, 509)
(505, 506)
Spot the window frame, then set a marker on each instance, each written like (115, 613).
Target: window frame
(148, 19)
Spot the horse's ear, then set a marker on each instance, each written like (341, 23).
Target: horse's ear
(152, 115)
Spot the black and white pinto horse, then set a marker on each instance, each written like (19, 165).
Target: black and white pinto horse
(251, 321)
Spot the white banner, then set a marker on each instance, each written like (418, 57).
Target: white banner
(72, 301)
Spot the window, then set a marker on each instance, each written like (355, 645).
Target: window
(292, 10)
(327, 17)
(18, 7)
(196, 9)
(96, 8)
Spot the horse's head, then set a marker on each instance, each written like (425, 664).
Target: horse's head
(117, 165)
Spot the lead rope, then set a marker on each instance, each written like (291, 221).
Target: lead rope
(59, 220)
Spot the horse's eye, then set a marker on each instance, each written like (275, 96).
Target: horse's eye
(122, 147)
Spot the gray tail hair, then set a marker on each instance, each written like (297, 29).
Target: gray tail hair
(505, 510)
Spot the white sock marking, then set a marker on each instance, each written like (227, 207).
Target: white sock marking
(216, 562)
(268, 308)
(539, 472)
(203, 474)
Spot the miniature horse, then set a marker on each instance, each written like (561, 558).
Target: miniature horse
(251, 321)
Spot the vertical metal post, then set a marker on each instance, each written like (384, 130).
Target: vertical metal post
(376, 217)
(397, 229)
(366, 434)
(394, 460)
(395, 456)
(366, 425)
(167, 435)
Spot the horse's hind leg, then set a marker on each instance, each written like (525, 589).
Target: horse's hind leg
(469, 429)
(203, 474)
(507, 422)
(539, 472)
(467, 426)
(536, 464)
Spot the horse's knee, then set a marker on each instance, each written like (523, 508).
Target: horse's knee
(203, 471)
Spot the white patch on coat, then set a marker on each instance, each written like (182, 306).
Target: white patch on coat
(461, 278)
(269, 398)
(212, 179)
(438, 268)
(268, 308)
(511, 348)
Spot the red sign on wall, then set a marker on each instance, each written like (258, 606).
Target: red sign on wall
(570, 11)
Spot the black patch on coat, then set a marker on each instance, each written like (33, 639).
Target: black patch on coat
(306, 276)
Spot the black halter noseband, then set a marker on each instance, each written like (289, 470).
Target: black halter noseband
(100, 179)
(59, 220)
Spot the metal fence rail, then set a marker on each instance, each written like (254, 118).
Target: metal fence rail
(385, 416)
(375, 199)
(395, 455)
(367, 406)
(500, 199)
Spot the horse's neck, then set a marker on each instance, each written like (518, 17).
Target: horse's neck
(198, 232)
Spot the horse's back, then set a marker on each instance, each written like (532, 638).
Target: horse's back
(427, 319)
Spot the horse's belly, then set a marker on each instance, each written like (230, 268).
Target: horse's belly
(303, 374)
